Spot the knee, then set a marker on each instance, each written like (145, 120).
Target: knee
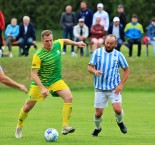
(98, 114)
(68, 99)
(26, 108)
(118, 111)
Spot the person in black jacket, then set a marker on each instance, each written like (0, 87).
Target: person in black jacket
(122, 15)
(116, 28)
(27, 36)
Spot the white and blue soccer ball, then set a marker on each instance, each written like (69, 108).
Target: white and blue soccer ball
(51, 135)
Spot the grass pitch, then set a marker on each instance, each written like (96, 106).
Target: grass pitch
(139, 118)
(138, 104)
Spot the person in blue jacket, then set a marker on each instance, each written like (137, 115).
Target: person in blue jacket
(11, 33)
(134, 32)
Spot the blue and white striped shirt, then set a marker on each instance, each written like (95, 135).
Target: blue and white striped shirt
(0, 68)
(109, 64)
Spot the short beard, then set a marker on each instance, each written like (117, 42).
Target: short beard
(107, 50)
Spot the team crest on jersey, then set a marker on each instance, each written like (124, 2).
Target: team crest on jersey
(58, 51)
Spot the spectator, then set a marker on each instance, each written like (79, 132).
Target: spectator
(98, 34)
(68, 21)
(117, 29)
(151, 33)
(2, 27)
(103, 15)
(134, 32)
(80, 32)
(27, 36)
(87, 15)
(122, 15)
(11, 33)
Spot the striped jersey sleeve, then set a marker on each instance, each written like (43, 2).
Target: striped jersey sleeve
(0, 68)
(93, 59)
(122, 61)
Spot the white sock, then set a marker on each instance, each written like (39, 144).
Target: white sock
(97, 122)
(119, 117)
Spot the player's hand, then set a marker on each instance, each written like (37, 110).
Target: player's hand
(44, 92)
(23, 88)
(118, 89)
(98, 72)
(81, 44)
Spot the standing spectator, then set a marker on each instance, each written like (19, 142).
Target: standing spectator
(80, 32)
(117, 29)
(104, 64)
(122, 15)
(68, 21)
(2, 27)
(103, 15)
(27, 36)
(151, 33)
(98, 34)
(87, 15)
(11, 33)
(134, 32)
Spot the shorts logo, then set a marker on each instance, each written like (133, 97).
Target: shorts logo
(33, 64)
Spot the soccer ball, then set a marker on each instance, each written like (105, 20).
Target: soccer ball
(51, 135)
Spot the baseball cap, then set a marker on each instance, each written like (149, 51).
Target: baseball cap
(100, 5)
(116, 19)
(134, 16)
(120, 6)
(81, 20)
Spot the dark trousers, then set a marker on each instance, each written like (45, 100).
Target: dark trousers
(66, 32)
(134, 41)
(25, 44)
(81, 49)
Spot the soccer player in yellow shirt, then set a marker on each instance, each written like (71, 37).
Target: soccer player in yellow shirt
(47, 78)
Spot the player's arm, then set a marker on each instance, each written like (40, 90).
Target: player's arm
(34, 75)
(92, 70)
(9, 82)
(70, 42)
(119, 88)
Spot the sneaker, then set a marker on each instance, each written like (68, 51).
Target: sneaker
(74, 54)
(18, 133)
(63, 53)
(67, 129)
(96, 132)
(122, 127)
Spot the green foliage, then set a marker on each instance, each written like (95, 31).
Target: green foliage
(45, 14)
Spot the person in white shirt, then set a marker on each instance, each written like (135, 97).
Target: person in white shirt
(80, 32)
(103, 15)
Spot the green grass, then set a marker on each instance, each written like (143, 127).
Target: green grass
(138, 104)
(142, 72)
(139, 118)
